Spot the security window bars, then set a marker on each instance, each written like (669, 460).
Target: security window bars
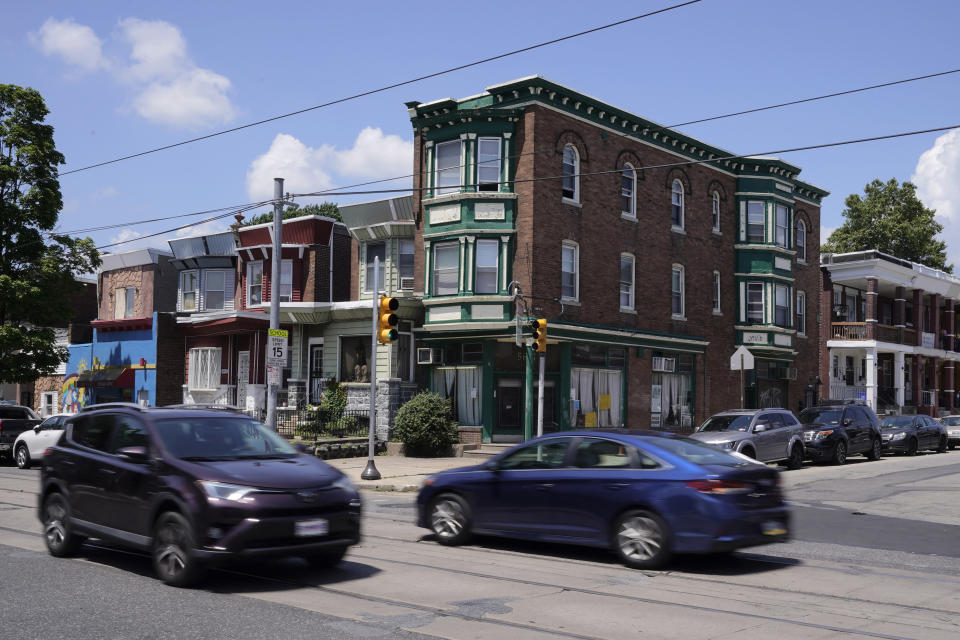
(254, 283)
(676, 204)
(569, 261)
(488, 164)
(677, 301)
(446, 258)
(782, 306)
(626, 281)
(488, 257)
(755, 222)
(447, 175)
(204, 373)
(571, 167)
(783, 226)
(755, 302)
(375, 250)
(213, 290)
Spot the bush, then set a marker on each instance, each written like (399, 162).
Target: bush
(425, 425)
(327, 418)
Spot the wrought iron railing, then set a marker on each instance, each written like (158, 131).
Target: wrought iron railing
(849, 330)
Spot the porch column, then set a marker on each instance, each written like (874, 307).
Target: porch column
(948, 384)
(918, 315)
(870, 357)
(935, 320)
(948, 321)
(935, 380)
(900, 313)
(898, 376)
(873, 302)
(917, 382)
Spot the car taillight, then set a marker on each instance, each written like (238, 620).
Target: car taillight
(719, 487)
(47, 451)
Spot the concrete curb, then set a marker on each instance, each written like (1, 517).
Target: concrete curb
(386, 486)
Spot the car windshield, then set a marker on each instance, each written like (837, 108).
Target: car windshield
(697, 452)
(896, 422)
(726, 423)
(820, 416)
(951, 421)
(221, 439)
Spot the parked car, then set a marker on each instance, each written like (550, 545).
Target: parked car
(952, 424)
(645, 495)
(14, 420)
(833, 432)
(192, 488)
(909, 434)
(768, 435)
(29, 446)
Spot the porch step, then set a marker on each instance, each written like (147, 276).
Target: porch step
(488, 450)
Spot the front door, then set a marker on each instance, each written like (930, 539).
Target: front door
(316, 373)
(509, 421)
(243, 379)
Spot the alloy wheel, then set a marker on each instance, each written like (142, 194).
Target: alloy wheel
(640, 538)
(23, 458)
(840, 456)
(53, 528)
(447, 518)
(170, 555)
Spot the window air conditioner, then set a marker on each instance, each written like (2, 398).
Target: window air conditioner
(665, 365)
(406, 284)
(427, 355)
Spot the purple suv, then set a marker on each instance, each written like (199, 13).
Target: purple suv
(193, 488)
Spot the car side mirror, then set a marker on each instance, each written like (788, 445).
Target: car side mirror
(134, 454)
(847, 422)
(36, 428)
(760, 428)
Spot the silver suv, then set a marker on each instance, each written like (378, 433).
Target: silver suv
(767, 435)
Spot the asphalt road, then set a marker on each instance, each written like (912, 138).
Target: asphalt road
(876, 553)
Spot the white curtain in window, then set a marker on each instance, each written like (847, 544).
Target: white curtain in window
(462, 385)
(594, 388)
(674, 408)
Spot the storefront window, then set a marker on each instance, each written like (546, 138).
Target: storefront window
(597, 397)
(463, 386)
(671, 395)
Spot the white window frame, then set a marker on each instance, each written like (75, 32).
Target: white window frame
(368, 266)
(678, 268)
(184, 291)
(204, 372)
(286, 281)
(631, 284)
(717, 310)
(715, 210)
(487, 164)
(124, 297)
(781, 228)
(675, 195)
(762, 223)
(412, 253)
(800, 242)
(494, 268)
(433, 267)
(801, 313)
(628, 190)
(206, 289)
(752, 317)
(575, 176)
(569, 244)
(256, 264)
(456, 169)
(777, 289)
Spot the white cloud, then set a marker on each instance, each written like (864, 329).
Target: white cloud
(372, 156)
(105, 192)
(937, 177)
(169, 88)
(206, 228)
(826, 232)
(76, 44)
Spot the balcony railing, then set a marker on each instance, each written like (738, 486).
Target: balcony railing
(849, 330)
(887, 333)
(841, 391)
(909, 336)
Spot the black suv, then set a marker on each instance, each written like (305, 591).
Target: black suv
(835, 430)
(192, 487)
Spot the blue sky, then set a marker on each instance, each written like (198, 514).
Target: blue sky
(122, 77)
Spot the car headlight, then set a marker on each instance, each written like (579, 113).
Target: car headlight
(823, 434)
(899, 436)
(225, 491)
(729, 445)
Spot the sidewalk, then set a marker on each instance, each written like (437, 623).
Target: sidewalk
(398, 473)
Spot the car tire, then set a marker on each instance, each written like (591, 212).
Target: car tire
(875, 450)
(57, 528)
(22, 457)
(173, 545)
(912, 447)
(326, 559)
(952, 447)
(749, 452)
(943, 445)
(840, 453)
(795, 461)
(641, 540)
(449, 518)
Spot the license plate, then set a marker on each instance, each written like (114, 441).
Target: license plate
(319, 527)
(773, 528)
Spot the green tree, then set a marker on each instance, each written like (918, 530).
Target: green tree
(37, 265)
(328, 209)
(890, 218)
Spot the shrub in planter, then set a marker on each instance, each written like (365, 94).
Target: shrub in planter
(425, 425)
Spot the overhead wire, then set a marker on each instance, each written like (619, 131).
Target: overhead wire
(385, 88)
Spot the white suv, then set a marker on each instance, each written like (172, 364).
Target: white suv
(29, 446)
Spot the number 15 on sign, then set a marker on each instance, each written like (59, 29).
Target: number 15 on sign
(277, 347)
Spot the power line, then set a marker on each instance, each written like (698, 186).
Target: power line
(246, 206)
(185, 226)
(385, 88)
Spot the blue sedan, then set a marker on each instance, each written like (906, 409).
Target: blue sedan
(646, 495)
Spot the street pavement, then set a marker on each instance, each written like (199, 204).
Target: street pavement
(857, 567)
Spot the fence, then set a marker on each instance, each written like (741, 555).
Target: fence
(314, 424)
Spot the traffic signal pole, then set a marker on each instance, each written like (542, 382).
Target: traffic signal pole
(543, 360)
(370, 471)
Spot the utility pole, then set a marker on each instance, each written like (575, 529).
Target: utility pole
(370, 472)
(275, 261)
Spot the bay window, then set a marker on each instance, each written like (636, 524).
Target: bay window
(755, 302)
(446, 269)
(488, 164)
(488, 259)
(188, 290)
(447, 174)
(755, 215)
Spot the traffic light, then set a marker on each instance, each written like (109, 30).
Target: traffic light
(539, 328)
(388, 320)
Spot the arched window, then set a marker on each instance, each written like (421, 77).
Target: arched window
(571, 173)
(628, 190)
(715, 202)
(801, 241)
(676, 205)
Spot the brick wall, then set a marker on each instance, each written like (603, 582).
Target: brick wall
(807, 279)
(127, 277)
(170, 361)
(345, 279)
